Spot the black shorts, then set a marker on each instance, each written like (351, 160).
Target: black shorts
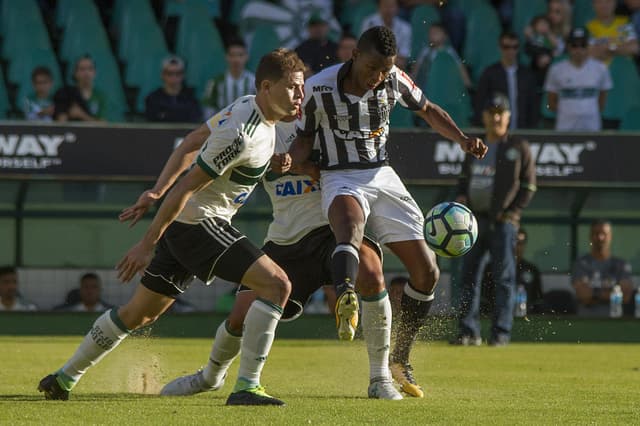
(211, 248)
(307, 264)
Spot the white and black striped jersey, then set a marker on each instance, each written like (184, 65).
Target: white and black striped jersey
(350, 131)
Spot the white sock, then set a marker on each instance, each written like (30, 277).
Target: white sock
(259, 331)
(107, 333)
(225, 349)
(376, 327)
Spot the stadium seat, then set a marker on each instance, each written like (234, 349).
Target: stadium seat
(446, 88)
(524, 11)
(626, 88)
(139, 34)
(236, 10)
(12, 12)
(402, 118)
(631, 119)
(355, 17)
(5, 106)
(177, 8)
(145, 67)
(582, 12)
(481, 40)
(264, 40)
(421, 19)
(69, 10)
(82, 36)
(24, 35)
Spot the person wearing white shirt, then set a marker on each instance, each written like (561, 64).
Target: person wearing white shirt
(577, 87)
(387, 16)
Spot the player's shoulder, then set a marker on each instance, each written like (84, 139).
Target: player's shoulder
(239, 112)
(324, 81)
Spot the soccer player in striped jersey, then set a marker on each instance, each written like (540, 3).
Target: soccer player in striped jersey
(346, 110)
(300, 241)
(192, 235)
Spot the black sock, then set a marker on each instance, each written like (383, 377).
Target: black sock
(412, 315)
(344, 267)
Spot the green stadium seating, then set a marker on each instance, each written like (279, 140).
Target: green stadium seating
(446, 88)
(139, 35)
(24, 34)
(626, 88)
(354, 17)
(210, 8)
(69, 10)
(16, 12)
(481, 40)
(4, 97)
(236, 10)
(631, 119)
(145, 67)
(421, 19)
(524, 11)
(264, 40)
(82, 36)
(582, 12)
(401, 118)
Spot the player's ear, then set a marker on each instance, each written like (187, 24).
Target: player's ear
(266, 85)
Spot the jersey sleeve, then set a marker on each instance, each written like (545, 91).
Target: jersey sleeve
(223, 148)
(411, 97)
(309, 120)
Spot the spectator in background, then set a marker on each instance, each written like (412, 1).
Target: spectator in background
(317, 52)
(387, 16)
(633, 7)
(345, 47)
(512, 79)
(81, 102)
(611, 35)
(497, 188)
(173, 102)
(595, 274)
(438, 41)
(38, 105)
(10, 299)
(577, 87)
(235, 82)
(86, 298)
(560, 15)
(540, 45)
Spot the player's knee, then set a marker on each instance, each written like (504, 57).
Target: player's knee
(426, 278)
(281, 285)
(370, 280)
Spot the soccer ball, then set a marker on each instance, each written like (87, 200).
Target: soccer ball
(450, 229)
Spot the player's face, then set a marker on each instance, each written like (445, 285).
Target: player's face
(601, 236)
(370, 68)
(285, 96)
(496, 122)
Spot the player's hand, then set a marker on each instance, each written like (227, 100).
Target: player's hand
(474, 146)
(281, 163)
(135, 212)
(136, 259)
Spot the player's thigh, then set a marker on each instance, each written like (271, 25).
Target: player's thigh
(370, 276)
(395, 216)
(345, 202)
(144, 307)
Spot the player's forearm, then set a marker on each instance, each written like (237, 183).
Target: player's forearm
(441, 122)
(308, 168)
(300, 150)
(168, 211)
(180, 160)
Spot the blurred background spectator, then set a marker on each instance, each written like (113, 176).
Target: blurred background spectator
(528, 275)
(595, 274)
(86, 298)
(387, 16)
(541, 45)
(611, 35)
(82, 101)
(559, 13)
(511, 78)
(10, 299)
(577, 87)
(236, 81)
(38, 105)
(173, 102)
(438, 41)
(345, 47)
(317, 51)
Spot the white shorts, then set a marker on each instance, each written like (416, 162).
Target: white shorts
(389, 210)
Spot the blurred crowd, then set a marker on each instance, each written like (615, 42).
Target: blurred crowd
(557, 60)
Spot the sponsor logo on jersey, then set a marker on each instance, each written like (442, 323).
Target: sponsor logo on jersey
(322, 89)
(228, 154)
(241, 199)
(350, 135)
(297, 187)
(32, 151)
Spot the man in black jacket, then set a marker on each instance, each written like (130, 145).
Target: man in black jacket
(496, 188)
(515, 81)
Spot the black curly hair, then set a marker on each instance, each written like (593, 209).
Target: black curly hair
(380, 40)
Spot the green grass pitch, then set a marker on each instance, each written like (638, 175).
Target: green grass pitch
(325, 382)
